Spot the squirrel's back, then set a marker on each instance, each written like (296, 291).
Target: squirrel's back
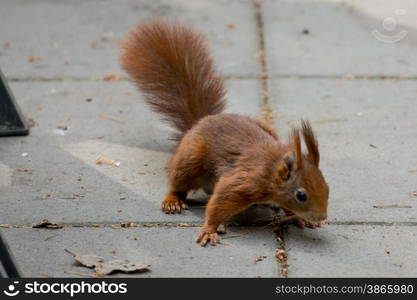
(171, 65)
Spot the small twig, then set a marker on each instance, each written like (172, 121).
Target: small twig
(234, 235)
(50, 237)
(107, 117)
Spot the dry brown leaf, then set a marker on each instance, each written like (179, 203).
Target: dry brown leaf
(112, 77)
(105, 161)
(103, 267)
(125, 266)
(87, 260)
(46, 224)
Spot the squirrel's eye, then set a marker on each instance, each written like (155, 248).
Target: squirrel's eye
(301, 196)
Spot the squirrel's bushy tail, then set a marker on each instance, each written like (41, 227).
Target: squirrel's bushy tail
(171, 65)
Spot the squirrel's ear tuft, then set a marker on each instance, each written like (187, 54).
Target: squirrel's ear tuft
(311, 143)
(296, 145)
(286, 165)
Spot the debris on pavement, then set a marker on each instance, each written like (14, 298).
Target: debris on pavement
(393, 206)
(49, 225)
(105, 161)
(281, 255)
(259, 258)
(127, 224)
(63, 127)
(33, 58)
(103, 267)
(412, 194)
(107, 117)
(24, 170)
(50, 237)
(112, 77)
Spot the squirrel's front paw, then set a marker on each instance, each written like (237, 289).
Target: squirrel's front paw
(205, 238)
(173, 205)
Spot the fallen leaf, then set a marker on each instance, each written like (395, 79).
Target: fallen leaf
(32, 59)
(46, 224)
(87, 260)
(393, 206)
(125, 266)
(103, 160)
(103, 267)
(112, 77)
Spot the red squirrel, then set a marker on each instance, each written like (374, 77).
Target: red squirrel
(241, 157)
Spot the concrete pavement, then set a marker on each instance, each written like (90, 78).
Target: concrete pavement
(345, 65)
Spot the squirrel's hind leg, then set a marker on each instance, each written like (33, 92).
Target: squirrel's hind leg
(185, 172)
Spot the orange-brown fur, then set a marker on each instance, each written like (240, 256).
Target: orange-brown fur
(242, 157)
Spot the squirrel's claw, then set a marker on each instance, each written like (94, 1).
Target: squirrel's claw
(173, 207)
(205, 238)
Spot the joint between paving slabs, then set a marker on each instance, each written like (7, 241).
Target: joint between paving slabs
(102, 79)
(267, 115)
(106, 225)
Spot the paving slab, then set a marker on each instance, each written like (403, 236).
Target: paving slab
(80, 38)
(333, 37)
(41, 252)
(77, 122)
(366, 131)
(352, 251)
